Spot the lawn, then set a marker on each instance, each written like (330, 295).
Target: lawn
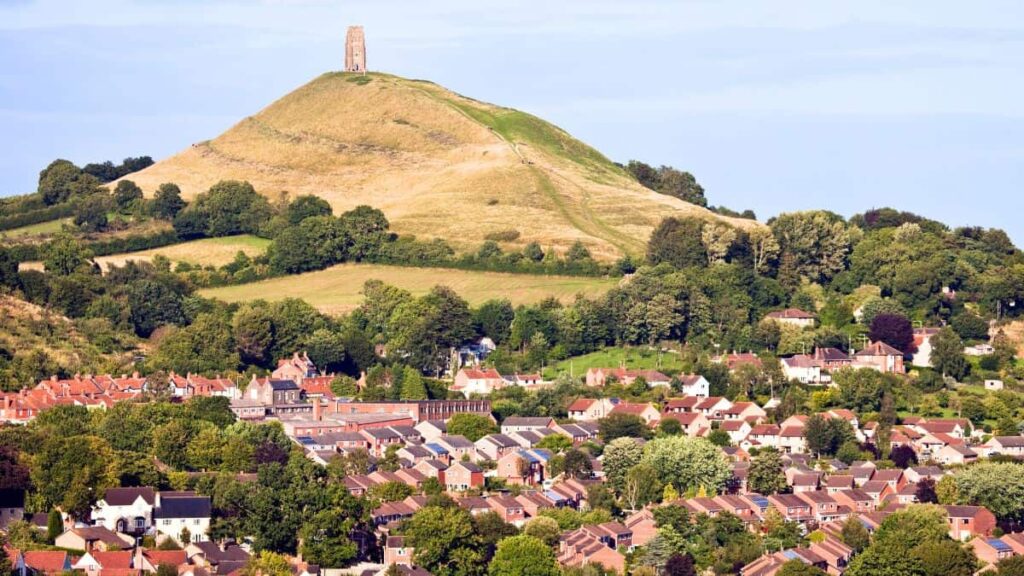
(208, 251)
(633, 358)
(338, 289)
(48, 227)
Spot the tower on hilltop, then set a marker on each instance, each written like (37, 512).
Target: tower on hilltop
(355, 50)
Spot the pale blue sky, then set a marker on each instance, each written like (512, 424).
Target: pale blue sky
(774, 105)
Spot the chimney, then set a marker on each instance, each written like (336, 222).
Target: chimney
(318, 410)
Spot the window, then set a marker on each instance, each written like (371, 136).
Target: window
(166, 522)
(196, 522)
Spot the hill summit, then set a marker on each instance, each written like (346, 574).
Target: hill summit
(438, 164)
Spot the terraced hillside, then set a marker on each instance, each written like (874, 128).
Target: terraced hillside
(437, 163)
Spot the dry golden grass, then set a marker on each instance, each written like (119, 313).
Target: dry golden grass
(338, 289)
(437, 164)
(205, 252)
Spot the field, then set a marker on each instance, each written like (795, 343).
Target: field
(337, 289)
(50, 227)
(438, 164)
(633, 358)
(205, 252)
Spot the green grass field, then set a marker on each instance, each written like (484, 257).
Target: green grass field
(337, 289)
(205, 252)
(633, 358)
(49, 227)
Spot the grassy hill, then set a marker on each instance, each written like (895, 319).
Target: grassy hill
(338, 289)
(438, 164)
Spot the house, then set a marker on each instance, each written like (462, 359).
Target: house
(802, 368)
(589, 410)
(682, 405)
(791, 440)
(222, 559)
(880, 356)
(470, 381)
(694, 423)
(578, 433)
(615, 535)
(295, 368)
(643, 526)
(177, 512)
(764, 435)
(832, 359)
(955, 454)
(966, 522)
(992, 550)
(149, 561)
(12, 506)
(736, 359)
(526, 423)
(126, 510)
(915, 474)
(48, 562)
(431, 430)
(462, 476)
(523, 466)
(922, 356)
(510, 509)
(746, 411)
(598, 377)
(791, 507)
(792, 317)
(94, 538)
(460, 448)
(95, 563)
(645, 410)
(396, 551)
(580, 548)
(713, 407)
(526, 380)
(825, 508)
(694, 385)
(1004, 446)
(495, 446)
(979, 350)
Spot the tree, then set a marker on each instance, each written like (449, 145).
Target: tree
(855, 535)
(267, 563)
(925, 492)
(344, 387)
(92, 214)
(533, 252)
(62, 180)
(253, 329)
(412, 385)
(894, 330)
(167, 202)
(69, 471)
(687, 462)
(903, 456)
(672, 427)
(544, 529)
(494, 320)
(368, 229)
(948, 353)
(641, 486)
(523, 555)
(555, 442)
(326, 348)
(998, 486)
(444, 541)
(127, 194)
(764, 249)
(620, 455)
(577, 464)
(765, 475)
(677, 241)
(306, 206)
(679, 565)
(153, 304)
(8, 269)
(577, 252)
(945, 558)
(426, 329)
(969, 326)
(1012, 566)
(325, 539)
(620, 425)
(799, 568)
(54, 525)
(817, 241)
(472, 426)
(230, 207)
(64, 256)
(825, 435)
(392, 491)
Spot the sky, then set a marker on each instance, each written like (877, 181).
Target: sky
(774, 105)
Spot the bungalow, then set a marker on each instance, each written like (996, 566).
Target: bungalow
(955, 454)
(49, 562)
(792, 317)
(94, 538)
(470, 381)
(915, 474)
(1004, 446)
(747, 411)
(587, 409)
(878, 491)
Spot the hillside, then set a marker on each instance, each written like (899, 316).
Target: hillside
(438, 164)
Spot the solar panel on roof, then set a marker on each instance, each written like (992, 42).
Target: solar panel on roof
(436, 448)
(999, 545)
(530, 457)
(790, 554)
(761, 501)
(554, 495)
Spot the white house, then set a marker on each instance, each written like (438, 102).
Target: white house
(125, 510)
(1004, 445)
(802, 368)
(177, 511)
(694, 385)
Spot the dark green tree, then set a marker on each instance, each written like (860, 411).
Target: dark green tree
(306, 206)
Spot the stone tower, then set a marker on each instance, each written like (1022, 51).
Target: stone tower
(355, 50)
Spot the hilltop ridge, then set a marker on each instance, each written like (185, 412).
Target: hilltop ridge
(437, 163)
